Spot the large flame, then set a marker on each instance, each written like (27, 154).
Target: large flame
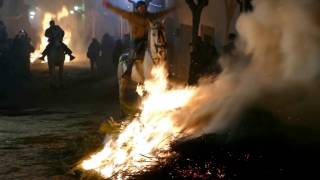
(145, 140)
(44, 25)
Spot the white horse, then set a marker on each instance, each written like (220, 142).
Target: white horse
(155, 53)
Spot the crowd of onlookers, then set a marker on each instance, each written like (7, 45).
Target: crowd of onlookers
(205, 57)
(14, 60)
(15, 53)
(104, 55)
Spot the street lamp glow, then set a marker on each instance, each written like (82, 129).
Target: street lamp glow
(76, 8)
(71, 12)
(32, 13)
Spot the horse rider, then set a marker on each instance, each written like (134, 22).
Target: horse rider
(139, 23)
(55, 34)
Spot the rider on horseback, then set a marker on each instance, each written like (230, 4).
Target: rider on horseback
(55, 34)
(139, 22)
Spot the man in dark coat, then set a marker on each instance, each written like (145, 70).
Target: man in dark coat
(93, 53)
(22, 48)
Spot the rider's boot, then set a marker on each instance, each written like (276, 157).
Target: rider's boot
(68, 51)
(42, 57)
(71, 57)
(45, 52)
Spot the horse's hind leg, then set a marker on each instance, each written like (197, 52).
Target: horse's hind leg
(52, 75)
(61, 76)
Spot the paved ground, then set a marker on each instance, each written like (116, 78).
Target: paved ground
(43, 132)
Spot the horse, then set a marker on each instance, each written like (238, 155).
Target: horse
(56, 58)
(156, 52)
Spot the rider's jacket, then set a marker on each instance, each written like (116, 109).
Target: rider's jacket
(54, 33)
(139, 23)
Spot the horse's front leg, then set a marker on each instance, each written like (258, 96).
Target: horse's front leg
(140, 70)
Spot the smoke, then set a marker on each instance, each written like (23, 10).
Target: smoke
(278, 49)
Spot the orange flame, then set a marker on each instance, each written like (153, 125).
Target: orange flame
(148, 137)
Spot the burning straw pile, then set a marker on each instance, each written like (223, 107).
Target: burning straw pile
(146, 140)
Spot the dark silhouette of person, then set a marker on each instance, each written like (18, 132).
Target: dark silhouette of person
(204, 59)
(3, 32)
(107, 45)
(5, 69)
(126, 42)
(93, 54)
(55, 34)
(210, 57)
(3, 41)
(22, 48)
(195, 63)
(139, 22)
(118, 50)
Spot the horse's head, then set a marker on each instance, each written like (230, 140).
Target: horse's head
(157, 41)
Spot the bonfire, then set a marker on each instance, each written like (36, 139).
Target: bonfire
(145, 141)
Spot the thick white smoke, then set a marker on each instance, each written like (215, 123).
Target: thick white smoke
(278, 48)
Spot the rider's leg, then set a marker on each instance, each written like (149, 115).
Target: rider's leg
(68, 51)
(140, 47)
(46, 51)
